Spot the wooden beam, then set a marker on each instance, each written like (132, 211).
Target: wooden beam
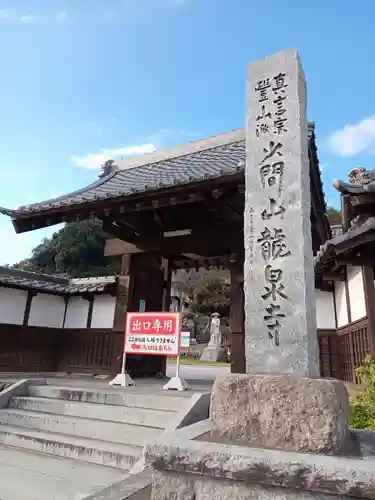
(345, 213)
(347, 295)
(369, 291)
(30, 295)
(66, 300)
(201, 241)
(357, 260)
(167, 269)
(115, 246)
(90, 311)
(237, 316)
(333, 277)
(220, 203)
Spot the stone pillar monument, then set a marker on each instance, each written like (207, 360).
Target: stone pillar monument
(271, 405)
(271, 427)
(280, 328)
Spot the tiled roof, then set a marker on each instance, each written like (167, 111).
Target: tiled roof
(53, 284)
(342, 243)
(361, 181)
(211, 158)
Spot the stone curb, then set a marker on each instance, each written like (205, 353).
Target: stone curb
(196, 408)
(18, 388)
(300, 471)
(134, 487)
(138, 486)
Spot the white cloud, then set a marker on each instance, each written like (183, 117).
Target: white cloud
(61, 16)
(95, 160)
(355, 139)
(161, 138)
(27, 19)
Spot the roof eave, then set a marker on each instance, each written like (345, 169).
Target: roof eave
(31, 220)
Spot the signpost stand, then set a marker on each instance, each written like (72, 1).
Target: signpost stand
(123, 379)
(176, 383)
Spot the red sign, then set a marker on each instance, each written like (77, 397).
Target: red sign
(153, 333)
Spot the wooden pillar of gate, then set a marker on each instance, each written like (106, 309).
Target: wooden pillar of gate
(237, 316)
(146, 288)
(369, 292)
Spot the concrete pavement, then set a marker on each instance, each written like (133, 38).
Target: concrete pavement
(78, 435)
(33, 476)
(199, 374)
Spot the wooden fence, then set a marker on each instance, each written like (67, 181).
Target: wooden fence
(92, 351)
(99, 351)
(343, 350)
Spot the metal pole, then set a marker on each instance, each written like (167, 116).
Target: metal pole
(123, 365)
(178, 366)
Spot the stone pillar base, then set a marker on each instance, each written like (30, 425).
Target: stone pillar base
(285, 412)
(214, 353)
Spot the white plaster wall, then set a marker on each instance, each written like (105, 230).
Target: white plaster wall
(325, 310)
(47, 310)
(341, 305)
(76, 313)
(103, 311)
(356, 293)
(12, 305)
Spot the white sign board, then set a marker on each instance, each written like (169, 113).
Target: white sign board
(153, 333)
(185, 339)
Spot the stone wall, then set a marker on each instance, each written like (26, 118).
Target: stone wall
(169, 486)
(191, 470)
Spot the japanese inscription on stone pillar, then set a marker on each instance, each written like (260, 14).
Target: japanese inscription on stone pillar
(280, 326)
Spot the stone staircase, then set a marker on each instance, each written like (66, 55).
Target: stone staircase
(107, 428)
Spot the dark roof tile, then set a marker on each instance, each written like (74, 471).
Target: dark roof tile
(53, 284)
(211, 158)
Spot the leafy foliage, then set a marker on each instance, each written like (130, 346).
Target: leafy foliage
(76, 250)
(362, 406)
(209, 295)
(332, 211)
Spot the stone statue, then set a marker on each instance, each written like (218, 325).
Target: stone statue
(214, 351)
(215, 335)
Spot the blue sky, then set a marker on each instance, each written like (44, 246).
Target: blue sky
(83, 80)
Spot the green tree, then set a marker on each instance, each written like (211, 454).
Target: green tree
(332, 211)
(209, 295)
(77, 250)
(362, 405)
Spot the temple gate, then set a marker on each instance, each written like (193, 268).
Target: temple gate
(179, 208)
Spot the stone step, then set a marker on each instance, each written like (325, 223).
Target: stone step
(82, 427)
(130, 398)
(92, 451)
(123, 414)
(28, 475)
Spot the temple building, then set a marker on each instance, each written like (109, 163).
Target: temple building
(183, 208)
(346, 263)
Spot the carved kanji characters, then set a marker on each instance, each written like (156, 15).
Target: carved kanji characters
(275, 287)
(271, 175)
(272, 243)
(273, 149)
(279, 82)
(262, 87)
(274, 210)
(264, 114)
